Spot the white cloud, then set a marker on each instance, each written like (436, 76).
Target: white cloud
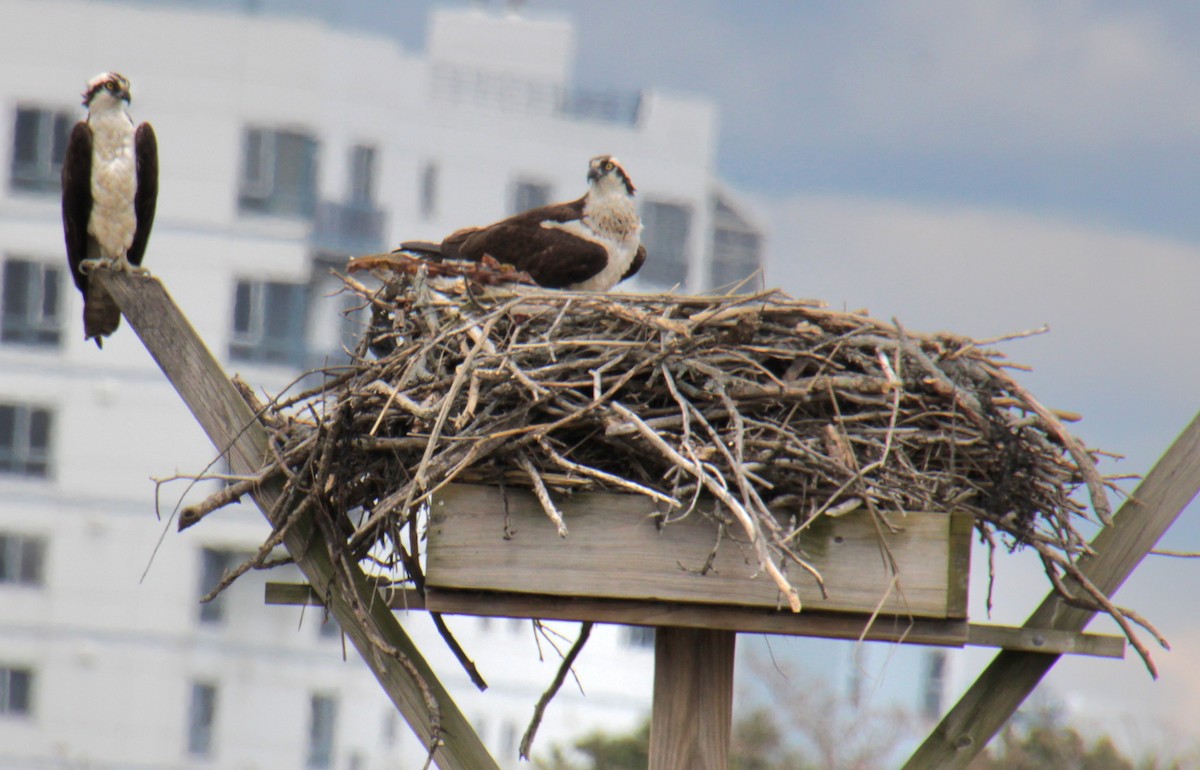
(1074, 76)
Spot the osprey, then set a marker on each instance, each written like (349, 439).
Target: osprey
(590, 243)
(109, 190)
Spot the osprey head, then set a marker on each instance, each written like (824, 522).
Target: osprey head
(604, 169)
(112, 84)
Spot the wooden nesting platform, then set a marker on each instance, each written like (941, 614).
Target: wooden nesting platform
(650, 576)
(484, 539)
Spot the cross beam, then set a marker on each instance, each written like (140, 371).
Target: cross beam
(1011, 677)
(233, 428)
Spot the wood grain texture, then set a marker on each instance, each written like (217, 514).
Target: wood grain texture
(230, 425)
(692, 716)
(1043, 640)
(1163, 494)
(831, 625)
(616, 550)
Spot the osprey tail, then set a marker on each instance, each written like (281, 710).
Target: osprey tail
(101, 316)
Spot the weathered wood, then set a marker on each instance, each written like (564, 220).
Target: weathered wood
(830, 625)
(233, 427)
(615, 549)
(304, 595)
(632, 612)
(692, 716)
(1043, 640)
(1003, 686)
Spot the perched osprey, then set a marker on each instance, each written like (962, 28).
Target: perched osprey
(589, 244)
(109, 190)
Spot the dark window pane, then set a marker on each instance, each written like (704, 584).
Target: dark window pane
(17, 275)
(63, 123)
(8, 427)
(39, 431)
(362, 174)
(31, 560)
(242, 302)
(213, 564)
(51, 281)
(665, 237)
(27, 136)
(295, 178)
(15, 686)
(429, 190)
(254, 166)
(529, 195)
(201, 717)
(8, 559)
(321, 731)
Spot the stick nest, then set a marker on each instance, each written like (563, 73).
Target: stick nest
(779, 408)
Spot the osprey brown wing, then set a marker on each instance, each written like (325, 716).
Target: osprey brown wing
(636, 265)
(146, 197)
(553, 258)
(77, 199)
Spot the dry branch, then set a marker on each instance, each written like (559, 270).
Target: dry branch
(779, 409)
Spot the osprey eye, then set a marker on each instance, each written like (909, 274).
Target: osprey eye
(608, 165)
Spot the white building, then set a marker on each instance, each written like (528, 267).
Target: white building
(284, 145)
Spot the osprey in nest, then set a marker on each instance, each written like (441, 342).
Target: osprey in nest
(589, 244)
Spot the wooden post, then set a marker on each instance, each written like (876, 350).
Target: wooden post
(1000, 689)
(692, 716)
(233, 427)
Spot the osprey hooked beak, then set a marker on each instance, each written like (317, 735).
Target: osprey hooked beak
(112, 82)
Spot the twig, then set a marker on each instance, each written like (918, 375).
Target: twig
(543, 495)
(585, 630)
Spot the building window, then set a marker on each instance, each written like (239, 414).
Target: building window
(39, 146)
(735, 256)
(935, 684)
(639, 636)
(362, 174)
(16, 686)
(666, 238)
(31, 311)
(527, 195)
(24, 440)
(21, 559)
(279, 173)
(737, 245)
(320, 732)
(429, 190)
(214, 563)
(336, 317)
(269, 319)
(202, 714)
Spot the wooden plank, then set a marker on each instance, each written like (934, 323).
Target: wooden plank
(230, 424)
(1043, 641)
(304, 595)
(958, 578)
(632, 612)
(1007, 681)
(830, 625)
(616, 550)
(692, 716)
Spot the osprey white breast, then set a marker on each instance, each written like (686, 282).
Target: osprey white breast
(113, 221)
